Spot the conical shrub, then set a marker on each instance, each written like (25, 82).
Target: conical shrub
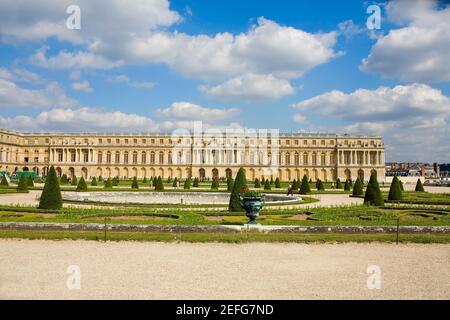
(23, 184)
(358, 188)
(51, 198)
(277, 183)
(305, 187)
(419, 186)
(74, 181)
(373, 193)
(187, 184)
(338, 184)
(108, 184)
(94, 182)
(395, 192)
(4, 181)
(135, 184)
(82, 186)
(257, 183)
(230, 184)
(347, 185)
(240, 183)
(320, 186)
(196, 183)
(215, 184)
(267, 185)
(30, 182)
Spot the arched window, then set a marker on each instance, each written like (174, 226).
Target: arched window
(170, 157)
(314, 158)
(135, 156)
(297, 159)
(152, 157)
(125, 157)
(322, 159)
(305, 158)
(100, 157)
(117, 160)
(288, 158)
(161, 157)
(108, 157)
(144, 157)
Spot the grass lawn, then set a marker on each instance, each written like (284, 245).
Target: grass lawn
(244, 237)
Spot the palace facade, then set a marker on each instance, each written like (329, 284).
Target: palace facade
(286, 156)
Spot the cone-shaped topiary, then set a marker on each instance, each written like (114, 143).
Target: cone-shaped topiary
(74, 181)
(108, 184)
(347, 185)
(294, 185)
(419, 186)
(94, 182)
(263, 181)
(100, 179)
(373, 193)
(350, 181)
(401, 185)
(338, 184)
(51, 195)
(358, 188)
(240, 184)
(4, 182)
(114, 181)
(271, 181)
(30, 182)
(159, 185)
(82, 186)
(174, 184)
(267, 185)
(320, 186)
(277, 183)
(23, 185)
(196, 183)
(134, 184)
(257, 183)
(215, 184)
(144, 180)
(395, 192)
(64, 179)
(304, 187)
(187, 184)
(230, 184)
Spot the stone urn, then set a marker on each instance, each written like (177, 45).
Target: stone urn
(252, 204)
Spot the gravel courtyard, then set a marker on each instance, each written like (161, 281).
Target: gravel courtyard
(133, 270)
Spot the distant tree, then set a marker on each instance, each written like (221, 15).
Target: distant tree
(4, 181)
(175, 181)
(257, 183)
(320, 186)
(82, 186)
(169, 180)
(94, 182)
(419, 186)
(135, 184)
(215, 184)
(271, 181)
(108, 184)
(277, 183)
(196, 183)
(144, 181)
(373, 193)
(64, 179)
(30, 182)
(310, 180)
(338, 184)
(305, 187)
(395, 192)
(230, 184)
(239, 186)
(350, 181)
(159, 186)
(267, 185)
(294, 185)
(74, 180)
(263, 181)
(187, 184)
(358, 188)
(401, 185)
(115, 181)
(51, 198)
(100, 178)
(23, 185)
(347, 185)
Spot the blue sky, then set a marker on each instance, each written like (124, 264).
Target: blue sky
(155, 65)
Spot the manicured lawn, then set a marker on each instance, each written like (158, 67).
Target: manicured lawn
(244, 237)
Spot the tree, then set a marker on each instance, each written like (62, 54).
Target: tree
(94, 182)
(74, 181)
(174, 184)
(134, 184)
(267, 185)
(64, 179)
(114, 182)
(108, 184)
(320, 186)
(23, 185)
(373, 193)
(240, 185)
(304, 187)
(294, 185)
(263, 181)
(271, 180)
(4, 182)
(30, 182)
(419, 186)
(196, 183)
(338, 184)
(230, 184)
(401, 185)
(159, 185)
(215, 184)
(395, 192)
(358, 188)
(187, 184)
(347, 185)
(51, 198)
(257, 183)
(277, 183)
(82, 186)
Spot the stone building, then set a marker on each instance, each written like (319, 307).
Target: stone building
(287, 156)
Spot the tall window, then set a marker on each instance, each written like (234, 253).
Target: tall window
(125, 157)
(161, 157)
(108, 157)
(100, 157)
(117, 159)
(288, 158)
(144, 157)
(152, 157)
(135, 156)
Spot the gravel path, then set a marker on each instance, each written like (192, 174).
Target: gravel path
(133, 270)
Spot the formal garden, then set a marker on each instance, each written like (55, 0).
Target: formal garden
(219, 203)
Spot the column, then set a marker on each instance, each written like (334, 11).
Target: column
(351, 157)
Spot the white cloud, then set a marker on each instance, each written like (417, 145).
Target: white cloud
(20, 75)
(413, 119)
(83, 86)
(420, 50)
(135, 84)
(349, 29)
(250, 87)
(52, 95)
(192, 112)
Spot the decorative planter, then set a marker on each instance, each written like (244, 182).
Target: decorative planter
(252, 206)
